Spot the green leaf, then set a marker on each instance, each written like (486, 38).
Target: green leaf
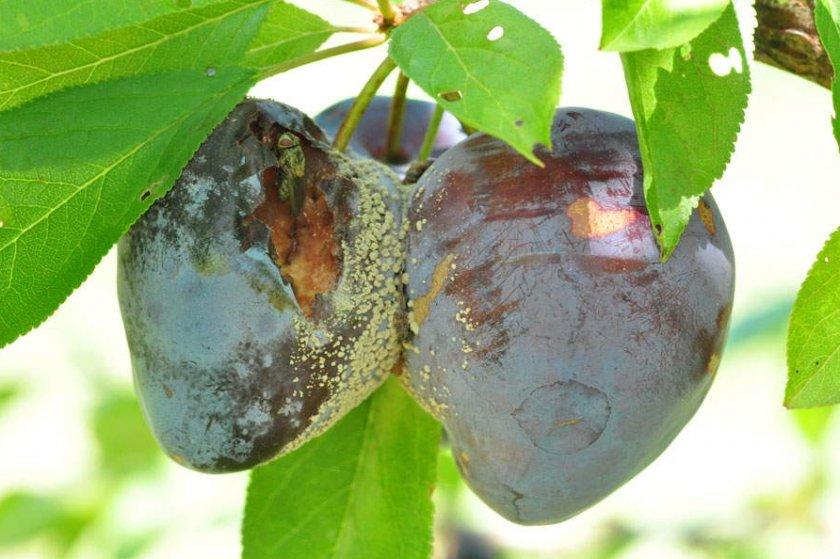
(78, 167)
(126, 446)
(495, 69)
(813, 346)
(201, 38)
(286, 33)
(24, 516)
(629, 25)
(361, 490)
(814, 423)
(8, 394)
(689, 104)
(33, 23)
(827, 18)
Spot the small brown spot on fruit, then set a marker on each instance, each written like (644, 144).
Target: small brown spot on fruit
(707, 217)
(423, 304)
(167, 391)
(465, 458)
(145, 195)
(590, 220)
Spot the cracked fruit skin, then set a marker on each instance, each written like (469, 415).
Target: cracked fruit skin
(253, 328)
(371, 136)
(561, 355)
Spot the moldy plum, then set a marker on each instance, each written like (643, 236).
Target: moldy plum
(371, 136)
(260, 296)
(561, 355)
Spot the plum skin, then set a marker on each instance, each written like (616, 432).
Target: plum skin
(371, 136)
(252, 330)
(560, 354)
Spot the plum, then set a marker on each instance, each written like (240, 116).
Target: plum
(560, 353)
(371, 136)
(262, 296)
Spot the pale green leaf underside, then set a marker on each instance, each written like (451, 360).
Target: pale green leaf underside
(508, 87)
(362, 490)
(215, 35)
(629, 25)
(813, 346)
(827, 17)
(33, 23)
(286, 33)
(74, 169)
(688, 118)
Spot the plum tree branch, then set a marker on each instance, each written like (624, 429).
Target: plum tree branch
(787, 38)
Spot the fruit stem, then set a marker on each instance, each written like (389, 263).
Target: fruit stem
(396, 118)
(360, 105)
(364, 4)
(431, 134)
(387, 11)
(287, 65)
(352, 29)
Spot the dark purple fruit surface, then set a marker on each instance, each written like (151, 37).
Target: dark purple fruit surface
(261, 296)
(371, 136)
(560, 353)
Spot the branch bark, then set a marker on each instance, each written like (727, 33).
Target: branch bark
(786, 37)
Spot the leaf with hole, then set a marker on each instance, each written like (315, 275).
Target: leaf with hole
(477, 60)
(629, 25)
(362, 490)
(813, 345)
(689, 104)
(74, 170)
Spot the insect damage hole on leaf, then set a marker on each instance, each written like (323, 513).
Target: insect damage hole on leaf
(451, 96)
(473, 7)
(723, 64)
(496, 33)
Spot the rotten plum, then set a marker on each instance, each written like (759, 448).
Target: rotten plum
(371, 136)
(261, 296)
(560, 353)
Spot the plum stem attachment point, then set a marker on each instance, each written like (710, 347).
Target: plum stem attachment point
(287, 65)
(389, 14)
(364, 4)
(360, 105)
(431, 134)
(396, 119)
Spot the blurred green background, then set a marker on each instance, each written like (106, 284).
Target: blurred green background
(80, 476)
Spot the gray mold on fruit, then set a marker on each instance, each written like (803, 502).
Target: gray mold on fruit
(253, 329)
(561, 355)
